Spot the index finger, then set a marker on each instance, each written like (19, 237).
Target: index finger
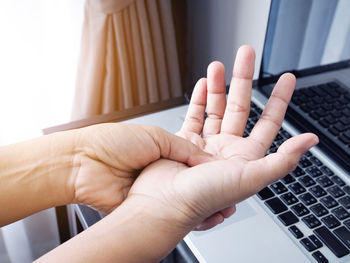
(272, 117)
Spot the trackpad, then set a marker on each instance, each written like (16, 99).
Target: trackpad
(250, 235)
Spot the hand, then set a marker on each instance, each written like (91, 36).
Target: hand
(169, 198)
(109, 157)
(200, 192)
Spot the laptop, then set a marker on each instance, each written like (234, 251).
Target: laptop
(304, 217)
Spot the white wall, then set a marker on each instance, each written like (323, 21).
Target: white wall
(219, 27)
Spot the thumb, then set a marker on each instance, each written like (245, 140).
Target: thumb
(175, 148)
(259, 173)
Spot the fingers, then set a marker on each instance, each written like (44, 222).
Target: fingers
(175, 148)
(238, 104)
(195, 114)
(210, 222)
(271, 119)
(216, 98)
(259, 173)
(216, 218)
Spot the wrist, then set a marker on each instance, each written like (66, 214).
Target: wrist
(139, 230)
(153, 228)
(64, 164)
(36, 175)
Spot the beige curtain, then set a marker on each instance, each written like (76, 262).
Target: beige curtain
(128, 56)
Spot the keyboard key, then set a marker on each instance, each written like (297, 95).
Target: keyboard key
(327, 171)
(331, 241)
(332, 92)
(334, 131)
(346, 189)
(336, 114)
(340, 213)
(300, 209)
(335, 191)
(278, 137)
(252, 114)
(289, 198)
(306, 181)
(314, 171)
(330, 119)
(338, 181)
(315, 241)
(311, 221)
(319, 210)
(345, 120)
(340, 127)
(296, 232)
(276, 206)
(317, 100)
(306, 242)
(308, 109)
(330, 221)
(296, 188)
(317, 191)
(327, 107)
(288, 218)
(343, 139)
(278, 188)
(323, 123)
(347, 134)
(265, 193)
(318, 90)
(340, 107)
(343, 234)
(345, 201)
(309, 93)
(285, 134)
(328, 201)
(321, 112)
(298, 172)
(316, 161)
(307, 199)
(347, 223)
(320, 258)
(288, 179)
(304, 162)
(346, 112)
(324, 181)
(314, 114)
(308, 154)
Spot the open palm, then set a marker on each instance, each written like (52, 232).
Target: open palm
(208, 192)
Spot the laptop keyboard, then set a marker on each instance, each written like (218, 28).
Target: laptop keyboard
(328, 105)
(312, 194)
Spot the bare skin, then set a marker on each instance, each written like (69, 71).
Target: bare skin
(155, 186)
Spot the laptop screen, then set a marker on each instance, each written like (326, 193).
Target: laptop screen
(303, 34)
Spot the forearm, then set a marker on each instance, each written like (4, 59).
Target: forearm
(134, 232)
(34, 175)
